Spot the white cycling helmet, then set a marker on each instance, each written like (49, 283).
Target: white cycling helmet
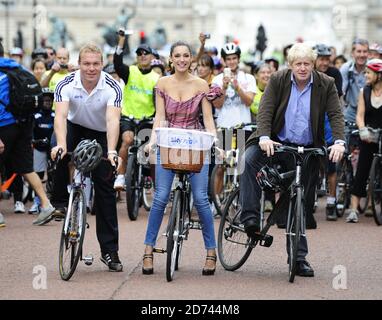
(230, 48)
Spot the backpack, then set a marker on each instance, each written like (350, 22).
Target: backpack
(24, 92)
(350, 81)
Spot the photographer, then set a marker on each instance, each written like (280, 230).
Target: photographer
(59, 70)
(138, 96)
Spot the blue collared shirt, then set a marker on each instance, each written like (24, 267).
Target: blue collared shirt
(297, 128)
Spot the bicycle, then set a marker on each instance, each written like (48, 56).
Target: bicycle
(74, 226)
(225, 177)
(139, 183)
(179, 223)
(183, 152)
(345, 176)
(375, 180)
(234, 246)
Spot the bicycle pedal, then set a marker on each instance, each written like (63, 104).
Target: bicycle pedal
(88, 259)
(266, 241)
(159, 250)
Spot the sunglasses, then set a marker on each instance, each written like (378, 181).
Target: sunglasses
(145, 53)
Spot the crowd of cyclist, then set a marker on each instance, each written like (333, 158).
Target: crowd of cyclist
(235, 96)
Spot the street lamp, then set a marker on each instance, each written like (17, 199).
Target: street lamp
(7, 4)
(34, 24)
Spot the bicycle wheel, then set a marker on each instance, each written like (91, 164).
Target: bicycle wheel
(294, 227)
(132, 190)
(220, 190)
(174, 238)
(234, 246)
(363, 202)
(344, 183)
(376, 189)
(73, 233)
(148, 192)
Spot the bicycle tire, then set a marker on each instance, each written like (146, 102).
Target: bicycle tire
(220, 199)
(76, 214)
(148, 195)
(376, 190)
(227, 233)
(132, 192)
(345, 177)
(364, 202)
(294, 232)
(173, 236)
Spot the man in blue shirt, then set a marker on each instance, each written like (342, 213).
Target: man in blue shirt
(16, 135)
(292, 111)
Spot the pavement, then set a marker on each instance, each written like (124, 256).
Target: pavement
(347, 260)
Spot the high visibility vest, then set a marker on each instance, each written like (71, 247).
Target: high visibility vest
(138, 94)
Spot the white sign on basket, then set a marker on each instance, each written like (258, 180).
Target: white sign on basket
(184, 139)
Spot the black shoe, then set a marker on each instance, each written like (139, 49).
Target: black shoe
(331, 214)
(303, 269)
(311, 222)
(111, 259)
(59, 214)
(251, 227)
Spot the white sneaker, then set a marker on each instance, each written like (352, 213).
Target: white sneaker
(352, 216)
(119, 183)
(2, 221)
(34, 209)
(19, 207)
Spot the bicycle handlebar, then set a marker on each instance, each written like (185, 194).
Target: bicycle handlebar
(300, 150)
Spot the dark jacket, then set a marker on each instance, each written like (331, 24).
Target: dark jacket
(274, 102)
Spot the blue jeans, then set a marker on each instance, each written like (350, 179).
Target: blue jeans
(199, 187)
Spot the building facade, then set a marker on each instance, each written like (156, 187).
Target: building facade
(335, 22)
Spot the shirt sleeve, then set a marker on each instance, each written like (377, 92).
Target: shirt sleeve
(251, 84)
(115, 94)
(62, 91)
(217, 81)
(122, 70)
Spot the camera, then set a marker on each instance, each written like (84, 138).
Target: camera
(227, 72)
(207, 35)
(63, 66)
(123, 33)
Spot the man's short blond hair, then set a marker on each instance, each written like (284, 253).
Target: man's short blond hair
(301, 51)
(90, 47)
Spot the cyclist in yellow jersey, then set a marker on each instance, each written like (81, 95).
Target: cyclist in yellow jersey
(138, 97)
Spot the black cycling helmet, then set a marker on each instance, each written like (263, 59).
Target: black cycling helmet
(47, 92)
(87, 155)
(322, 50)
(269, 179)
(39, 53)
(230, 48)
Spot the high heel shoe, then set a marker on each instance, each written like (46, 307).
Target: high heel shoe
(208, 271)
(148, 270)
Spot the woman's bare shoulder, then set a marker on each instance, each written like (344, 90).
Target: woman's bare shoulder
(163, 82)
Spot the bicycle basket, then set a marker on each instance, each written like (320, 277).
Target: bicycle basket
(183, 149)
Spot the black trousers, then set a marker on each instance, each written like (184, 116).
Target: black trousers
(250, 191)
(104, 193)
(365, 158)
